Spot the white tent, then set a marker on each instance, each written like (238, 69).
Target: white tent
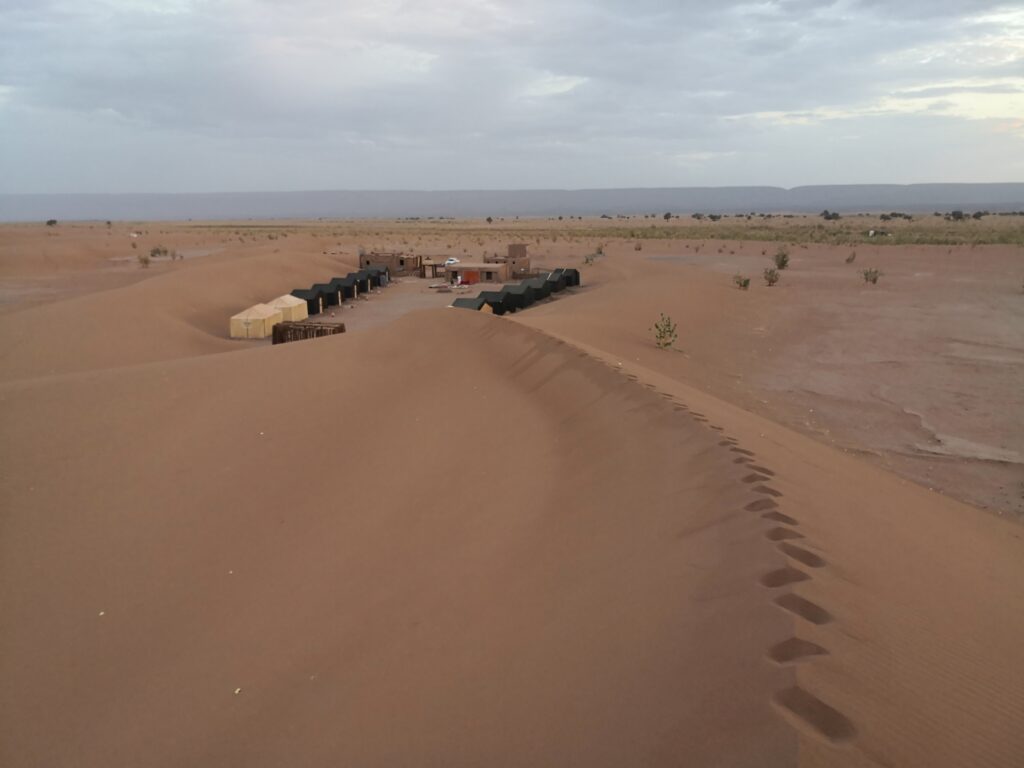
(290, 307)
(255, 323)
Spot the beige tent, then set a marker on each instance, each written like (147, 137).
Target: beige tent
(255, 323)
(290, 307)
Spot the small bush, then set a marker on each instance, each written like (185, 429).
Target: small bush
(851, 257)
(871, 276)
(781, 258)
(144, 260)
(741, 282)
(51, 222)
(771, 276)
(665, 332)
(638, 246)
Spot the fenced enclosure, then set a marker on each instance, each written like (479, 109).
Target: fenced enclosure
(298, 331)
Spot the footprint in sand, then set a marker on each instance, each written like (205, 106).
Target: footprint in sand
(763, 470)
(761, 505)
(715, 427)
(782, 534)
(724, 442)
(803, 608)
(744, 451)
(802, 555)
(754, 478)
(767, 490)
(742, 460)
(778, 517)
(781, 577)
(794, 650)
(810, 713)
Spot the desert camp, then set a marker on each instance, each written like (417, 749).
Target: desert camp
(470, 384)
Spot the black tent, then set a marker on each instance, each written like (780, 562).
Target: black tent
(372, 278)
(556, 279)
(332, 296)
(572, 277)
(499, 301)
(466, 303)
(313, 299)
(540, 285)
(520, 296)
(362, 278)
(381, 272)
(346, 286)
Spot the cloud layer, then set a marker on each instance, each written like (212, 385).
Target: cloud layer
(204, 95)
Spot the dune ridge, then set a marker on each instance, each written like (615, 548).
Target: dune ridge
(513, 619)
(462, 540)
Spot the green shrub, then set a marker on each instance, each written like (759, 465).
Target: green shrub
(781, 258)
(771, 276)
(871, 276)
(665, 332)
(741, 282)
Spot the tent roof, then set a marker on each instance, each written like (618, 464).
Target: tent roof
(286, 301)
(468, 303)
(495, 296)
(256, 312)
(306, 293)
(323, 287)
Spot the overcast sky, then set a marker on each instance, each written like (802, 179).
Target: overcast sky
(240, 95)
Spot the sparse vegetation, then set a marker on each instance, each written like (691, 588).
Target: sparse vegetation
(144, 259)
(743, 283)
(638, 246)
(771, 276)
(781, 259)
(665, 334)
(51, 222)
(851, 257)
(871, 276)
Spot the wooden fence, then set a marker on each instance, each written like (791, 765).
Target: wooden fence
(297, 331)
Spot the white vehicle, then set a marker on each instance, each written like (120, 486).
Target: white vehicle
(450, 260)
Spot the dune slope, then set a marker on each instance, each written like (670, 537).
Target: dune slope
(453, 541)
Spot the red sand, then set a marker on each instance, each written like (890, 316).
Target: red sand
(457, 540)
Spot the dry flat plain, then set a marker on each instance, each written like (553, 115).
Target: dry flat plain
(448, 538)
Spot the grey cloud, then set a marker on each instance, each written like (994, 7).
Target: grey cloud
(420, 96)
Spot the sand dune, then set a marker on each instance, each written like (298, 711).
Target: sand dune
(460, 540)
(548, 567)
(175, 314)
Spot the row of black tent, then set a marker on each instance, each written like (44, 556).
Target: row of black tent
(339, 289)
(510, 298)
